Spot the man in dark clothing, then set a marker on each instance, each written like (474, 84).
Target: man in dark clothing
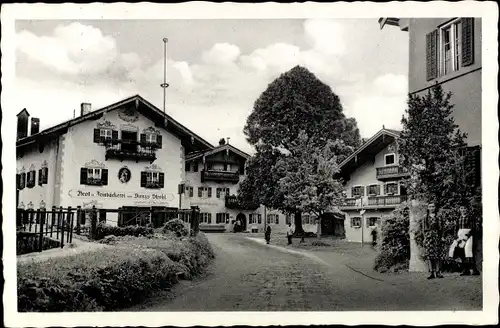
(268, 234)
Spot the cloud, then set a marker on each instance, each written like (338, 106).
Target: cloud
(79, 63)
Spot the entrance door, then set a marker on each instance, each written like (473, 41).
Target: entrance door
(243, 222)
(129, 141)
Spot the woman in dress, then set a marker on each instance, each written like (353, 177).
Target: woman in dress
(433, 244)
(268, 234)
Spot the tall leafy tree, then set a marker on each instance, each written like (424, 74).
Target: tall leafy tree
(296, 101)
(308, 180)
(432, 148)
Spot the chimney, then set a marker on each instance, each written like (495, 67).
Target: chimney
(35, 125)
(85, 108)
(22, 124)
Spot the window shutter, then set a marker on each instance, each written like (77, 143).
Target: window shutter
(209, 218)
(352, 222)
(18, 181)
(114, 135)
(200, 192)
(143, 138)
(277, 217)
(40, 179)
(227, 218)
(144, 178)
(161, 178)
(83, 175)
(104, 177)
(23, 181)
(209, 192)
(467, 41)
(362, 191)
(97, 135)
(46, 175)
(159, 140)
(353, 191)
(195, 166)
(191, 191)
(431, 55)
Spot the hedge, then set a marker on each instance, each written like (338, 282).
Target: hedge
(29, 243)
(177, 226)
(394, 241)
(104, 230)
(111, 278)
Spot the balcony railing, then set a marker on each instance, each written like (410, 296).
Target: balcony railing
(232, 202)
(127, 149)
(220, 176)
(375, 202)
(391, 172)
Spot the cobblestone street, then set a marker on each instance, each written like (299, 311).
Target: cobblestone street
(248, 275)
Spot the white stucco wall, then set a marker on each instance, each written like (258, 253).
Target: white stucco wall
(32, 157)
(80, 149)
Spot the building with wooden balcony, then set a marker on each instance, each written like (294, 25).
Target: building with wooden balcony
(127, 155)
(373, 182)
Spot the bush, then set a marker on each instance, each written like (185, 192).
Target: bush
(177, 226)
(107, 279)
(29, 243)
(394, 241)
(104, 230)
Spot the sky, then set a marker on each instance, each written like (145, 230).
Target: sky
(216, 68)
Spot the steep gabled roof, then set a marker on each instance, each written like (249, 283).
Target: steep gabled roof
(216, 150)
(371, 147)
(142, 105)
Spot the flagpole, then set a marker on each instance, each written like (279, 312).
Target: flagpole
(164, 85)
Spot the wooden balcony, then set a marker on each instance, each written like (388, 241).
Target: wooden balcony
(220, 176)
(232, 202)
(375, 202)
(391, 172)
(130, 150)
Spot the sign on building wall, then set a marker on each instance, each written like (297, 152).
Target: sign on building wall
(136, 197)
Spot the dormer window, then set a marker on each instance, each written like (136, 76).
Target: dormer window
(390, 159)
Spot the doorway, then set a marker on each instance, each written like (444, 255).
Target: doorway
(243, 223)
(129, 141)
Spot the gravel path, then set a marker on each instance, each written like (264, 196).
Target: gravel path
(249, 275)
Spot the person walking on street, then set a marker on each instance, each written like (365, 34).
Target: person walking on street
(289, 233)
(268, 234)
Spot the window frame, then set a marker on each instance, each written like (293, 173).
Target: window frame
(357, 218)
(150, 177)
(386, 188)
(455, 46)
(104, 136)
(94, 176)
(385, 159)
(373, 185)
(361, 187)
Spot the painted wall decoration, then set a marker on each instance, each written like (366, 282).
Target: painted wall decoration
(44, 164)
(128, 114)
(129, 127)
(124, 175)
(151, 130)
(106, 125)
(94, 163)
(153, 167)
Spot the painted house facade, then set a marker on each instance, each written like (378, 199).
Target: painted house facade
(372, 177)
(447, 51)
(128, 155)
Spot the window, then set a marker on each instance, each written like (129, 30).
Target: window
(358, 191)
(93, 176)
(189, 191)
(355, 222)
(390, 159)
(373, 190)
(222, 192)
(152, 179)
(222, 218)
(206, 218)
(391, 188)
(372, 221)
(227, 167)
(204, 192)
(151, 137)
(450, 47)
(43, 176)
(195, 167)
(187, 167)
(106, 134)
(30, 183)
(273, 219)
(254, 218)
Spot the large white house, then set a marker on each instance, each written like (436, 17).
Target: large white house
(129, 155)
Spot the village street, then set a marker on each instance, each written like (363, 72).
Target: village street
(248, 275)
